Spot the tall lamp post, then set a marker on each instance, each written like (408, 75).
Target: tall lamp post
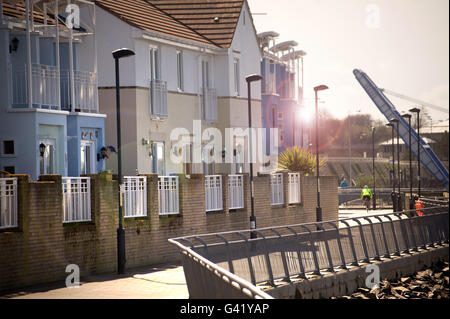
(417, 111)
(318, 209)
(394, 197)
(117, 55)
(411, 200)
(250, 79)
(373, 169)
(399, 202)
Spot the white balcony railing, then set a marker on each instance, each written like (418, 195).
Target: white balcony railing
(236, 191)
(8, 203)
(209, 104)
(45, 86)
(135, 196)
(168, 195)
(76, 199)
(85, 91)
(158, 99)
(213, 195)
(276, 189)
(44, 79)
(294, 188)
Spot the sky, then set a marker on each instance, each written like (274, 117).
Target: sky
(403, 45)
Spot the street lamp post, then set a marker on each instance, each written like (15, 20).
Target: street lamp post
(373, 170)
(117, 55)
(399, 202)
(394, 197)
(411, 200)
(417, 111)
(318, 209)
(250, 79)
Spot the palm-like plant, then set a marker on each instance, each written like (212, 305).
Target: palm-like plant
(295, 159)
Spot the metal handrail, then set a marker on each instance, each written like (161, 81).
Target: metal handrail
(239, 285)
(281, 252)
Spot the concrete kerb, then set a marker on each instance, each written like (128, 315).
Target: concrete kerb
(346, 282)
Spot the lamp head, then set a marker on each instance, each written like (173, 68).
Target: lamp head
(394, 121)
(253, 78)
(415, 110)
(122, 53)
(321, 88)
(390, 124)
(406, 116)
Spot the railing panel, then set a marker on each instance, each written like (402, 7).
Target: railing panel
(8, 203)
(168, 195)
(76, 199)
(276, 187)
(135, 196)
(236, 191)
(213, 193)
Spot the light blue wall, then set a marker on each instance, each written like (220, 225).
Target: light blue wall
(76, 125)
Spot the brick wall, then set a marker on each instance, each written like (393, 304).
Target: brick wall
(42, 246)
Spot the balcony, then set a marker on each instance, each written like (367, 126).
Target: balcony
(209, 104)
(47, 86)
(158, 99)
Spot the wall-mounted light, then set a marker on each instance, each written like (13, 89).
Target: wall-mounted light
(145, 142)
(42, 147)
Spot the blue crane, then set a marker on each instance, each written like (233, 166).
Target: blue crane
(427, 157)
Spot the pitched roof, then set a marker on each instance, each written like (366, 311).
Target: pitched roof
(215, 20)
(143, 15)
(18, 11)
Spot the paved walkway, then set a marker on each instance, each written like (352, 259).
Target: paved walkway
(153, 282)
(164, 282)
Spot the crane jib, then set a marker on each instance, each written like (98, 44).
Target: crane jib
(427, 157)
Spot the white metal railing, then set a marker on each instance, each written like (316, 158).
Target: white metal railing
(270, 84)
(85, 88)
(44, 79)
(135, 196)
(76, 199)
(8, 203)
(209, 104)
(168, 195)
(294, 188)
(276, 189)
(213, 194)
(158, 98)
(236, 191)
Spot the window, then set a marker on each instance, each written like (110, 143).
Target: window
(280, 116)
(205, 74)
(158, 158)
(47, 160)
(10, 169)
(180, 82)
(236, 77)
(87, 157)
(155, 65)
(8, 148)
(187, 159)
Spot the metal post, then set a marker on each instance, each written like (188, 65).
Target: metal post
(418, 151)
(71, 71)
(318, 209)
(120, 230)
(252, 217)
(29, 67)
(373, 170)
(57, 60)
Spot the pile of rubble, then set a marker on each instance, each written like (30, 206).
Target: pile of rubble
(431, 283)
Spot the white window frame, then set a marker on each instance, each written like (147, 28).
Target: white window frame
(180, 71)
(155, 62)
(236, 70)
(155, 167)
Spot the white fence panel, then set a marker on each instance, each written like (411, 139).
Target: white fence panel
(8, 203)
(276, 186)
(168, 195)
(213, 195)
(236, 191)
(76, 199)
(135, 196)
(294, 188)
